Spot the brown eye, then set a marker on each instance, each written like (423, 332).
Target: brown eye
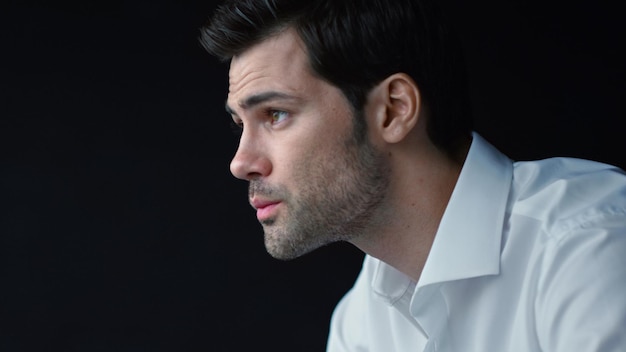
(278, 116)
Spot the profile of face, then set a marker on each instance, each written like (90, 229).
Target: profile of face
(310, 180)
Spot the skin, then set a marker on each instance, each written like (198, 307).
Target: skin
(312, 183)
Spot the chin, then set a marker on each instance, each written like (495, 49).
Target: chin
(285, 250)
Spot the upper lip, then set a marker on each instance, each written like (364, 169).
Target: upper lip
(258, 203)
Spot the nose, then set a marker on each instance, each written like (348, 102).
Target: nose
(250, 161)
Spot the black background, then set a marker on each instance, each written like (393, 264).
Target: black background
(121, 228)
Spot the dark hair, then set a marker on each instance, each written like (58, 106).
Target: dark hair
(356, 44)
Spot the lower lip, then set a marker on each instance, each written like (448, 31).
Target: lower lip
(266, 212)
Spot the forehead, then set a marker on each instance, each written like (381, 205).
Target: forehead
(277, 63)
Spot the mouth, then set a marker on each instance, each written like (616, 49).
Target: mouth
(265, 209)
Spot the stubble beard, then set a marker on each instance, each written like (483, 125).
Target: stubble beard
(339, 197)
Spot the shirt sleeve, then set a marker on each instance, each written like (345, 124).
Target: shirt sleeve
(581, 301)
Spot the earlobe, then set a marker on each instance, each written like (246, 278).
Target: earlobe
(402, 99)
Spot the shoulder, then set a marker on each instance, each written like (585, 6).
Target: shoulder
(580, 208)
(568, 192)
(534, 176)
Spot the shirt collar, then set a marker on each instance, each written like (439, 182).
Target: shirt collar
(467, 243)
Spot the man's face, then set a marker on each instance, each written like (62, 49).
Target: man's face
(311, 182)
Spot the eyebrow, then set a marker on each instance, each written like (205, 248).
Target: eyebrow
(260, 98)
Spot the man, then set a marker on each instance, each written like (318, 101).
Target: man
(356, 127)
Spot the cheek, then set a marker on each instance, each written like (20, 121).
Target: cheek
(317, 149)
(322, 166)
(309, 167)
(312, 150)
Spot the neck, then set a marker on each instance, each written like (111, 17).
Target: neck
(420, 190)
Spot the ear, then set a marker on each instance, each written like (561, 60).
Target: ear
(399, 105)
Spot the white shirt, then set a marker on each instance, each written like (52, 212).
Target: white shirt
(529, 256)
